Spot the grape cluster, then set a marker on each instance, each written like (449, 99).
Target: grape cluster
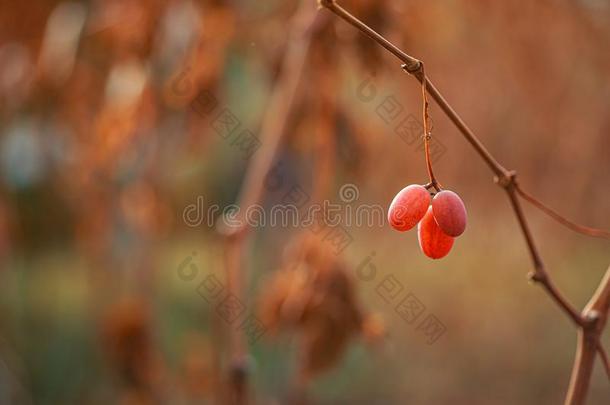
(439, 219)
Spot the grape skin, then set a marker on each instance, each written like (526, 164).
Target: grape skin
(449, 212)
(408, 207)
(433, 242)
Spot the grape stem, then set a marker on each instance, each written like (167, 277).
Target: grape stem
(427, 130)
(591, 321)
(435, 185)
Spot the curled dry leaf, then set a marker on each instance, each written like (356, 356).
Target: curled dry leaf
(314, 295)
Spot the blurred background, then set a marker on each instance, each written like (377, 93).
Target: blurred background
(117, 117)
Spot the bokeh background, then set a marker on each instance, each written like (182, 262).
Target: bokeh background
(102, 149)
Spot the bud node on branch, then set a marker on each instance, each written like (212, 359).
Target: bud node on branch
(508, 180)
(537, 276)
(592, 319)
(412, 68)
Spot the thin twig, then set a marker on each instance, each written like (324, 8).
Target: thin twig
(585, 230)
(411, 63)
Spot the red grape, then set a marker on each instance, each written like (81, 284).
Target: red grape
(432, 241)
(408, 207)
(449, 212)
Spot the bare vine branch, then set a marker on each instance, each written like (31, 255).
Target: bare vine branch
(593, 318)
